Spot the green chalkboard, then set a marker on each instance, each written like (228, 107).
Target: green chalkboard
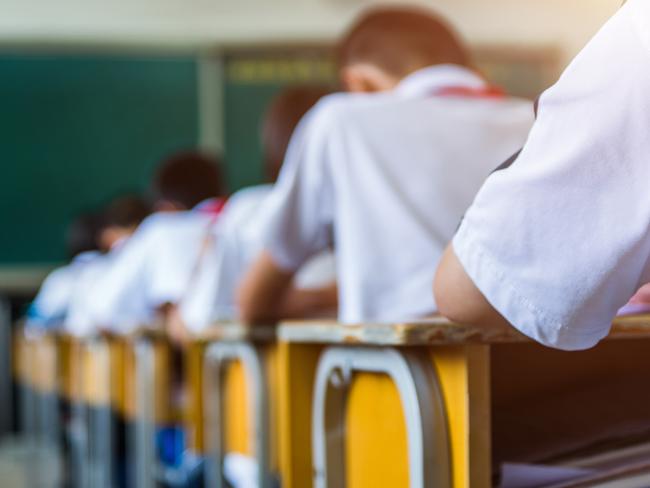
(251, 80)
(75, 130)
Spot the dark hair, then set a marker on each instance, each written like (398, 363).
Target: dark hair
(126, 211)
(280, 120)
(83, 233)
(187, 178)
(400, 40)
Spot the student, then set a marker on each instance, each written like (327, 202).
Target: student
(120, 220)
(50, 307)
(239, 238)
(146, 276)
(385, 172)
(558, 242)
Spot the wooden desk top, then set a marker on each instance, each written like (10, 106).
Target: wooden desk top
(431, 331)
(236, 331)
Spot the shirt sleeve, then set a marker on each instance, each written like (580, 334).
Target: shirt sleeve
(299, 223)
(117, 299)
(51, 304)
(558, 242)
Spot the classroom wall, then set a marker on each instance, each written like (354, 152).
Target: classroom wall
(79, 129)
(128, 77)
(201, 23)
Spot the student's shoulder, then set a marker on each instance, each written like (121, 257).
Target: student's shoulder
(340, 110)
(162, 223)
(245, 201)
(519, 108)
(58, 276)
(248, 196)
(341, 104)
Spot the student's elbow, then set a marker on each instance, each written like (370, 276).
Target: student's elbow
(251, 310)
(448, 303)
(261, 291)
(458, 298)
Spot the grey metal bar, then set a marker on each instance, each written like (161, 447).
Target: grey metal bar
(145, 447)
(217, 357)
(100, 433)
(79, 445)
(6, 413)
(421, 398)
(27, 394)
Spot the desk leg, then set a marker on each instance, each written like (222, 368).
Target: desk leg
(217, 357)
(296, 372)
(6, 393)
(145, 447)
(464, 375)
(421, 399)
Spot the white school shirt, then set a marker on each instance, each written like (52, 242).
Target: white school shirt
(385, 178)
(239, 239)
(154, 267)
(50, 307)
(560, 241)
(79, 319)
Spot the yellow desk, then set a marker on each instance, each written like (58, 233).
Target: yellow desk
(239, 396)
(37, 372)
(438, 404)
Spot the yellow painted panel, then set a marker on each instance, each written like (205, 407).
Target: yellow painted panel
(376, 445)
(74, 379)
(96, 375)
(194, 389)
(271, 358)
(64, 345)
(43, 364)
(463, 372)
(20, 358)
(129, 407)
(296, 372)
(162, 383)
(118, 361)
(163, 379)
(237, 421)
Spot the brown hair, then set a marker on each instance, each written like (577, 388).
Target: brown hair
(187, 178)
(401, 40)
(126, 211)
(281, 119)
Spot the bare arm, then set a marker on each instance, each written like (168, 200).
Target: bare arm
(311, 303)
(459, 299)
(267, 295)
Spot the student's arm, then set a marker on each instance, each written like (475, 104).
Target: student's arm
(263, 291)
(559, 241)
(267, 294)
(302, 303)
(459, 299)
(298, 225)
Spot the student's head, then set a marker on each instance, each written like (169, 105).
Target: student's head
(121, 218)
(281, 119)
(83, 233)
(185, 180)
(387, 44)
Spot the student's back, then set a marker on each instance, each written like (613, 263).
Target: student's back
(385, 173)
(51, 306)
(156, 266)
(239, 236)
(121, 218)
(393, 174)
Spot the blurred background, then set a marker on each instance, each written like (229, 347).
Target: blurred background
(94, 93)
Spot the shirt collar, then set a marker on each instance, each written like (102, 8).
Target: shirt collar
(210, 206)
(427, 81)
(85, 257)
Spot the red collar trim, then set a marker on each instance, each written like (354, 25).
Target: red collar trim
(488, 92)
(213, 206)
